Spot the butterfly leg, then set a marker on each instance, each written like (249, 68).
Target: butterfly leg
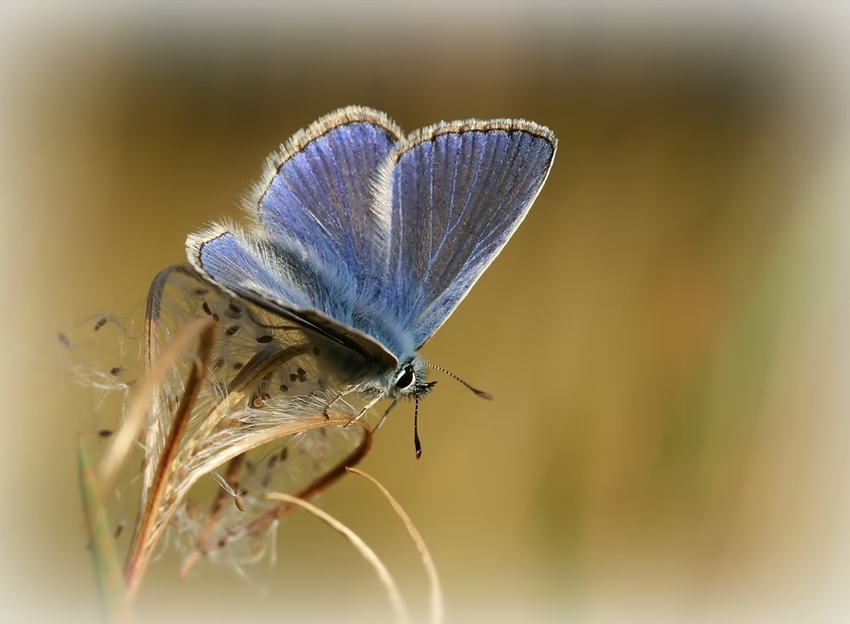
(384, 417)
(362, 412)
(365, 409)
(330, 405)
(338, 397)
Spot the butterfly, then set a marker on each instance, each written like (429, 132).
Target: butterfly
(370, 238)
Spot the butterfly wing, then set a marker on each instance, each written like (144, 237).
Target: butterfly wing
(267, 385)
(378, 262)
(320, 246)
(457, 192)
(318, 192)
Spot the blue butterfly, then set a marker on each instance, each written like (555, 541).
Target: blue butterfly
(371, 238)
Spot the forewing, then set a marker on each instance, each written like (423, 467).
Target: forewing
(318, 191)
(457, 193)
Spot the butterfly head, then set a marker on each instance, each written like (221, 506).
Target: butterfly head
(409, 380)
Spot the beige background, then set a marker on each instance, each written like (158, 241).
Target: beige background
(666, 335)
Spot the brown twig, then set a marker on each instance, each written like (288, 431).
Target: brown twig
(142, 545)
(264, 520)
(125, 437)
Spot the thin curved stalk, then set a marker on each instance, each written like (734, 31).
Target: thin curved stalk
(437, 613)
(368, 554)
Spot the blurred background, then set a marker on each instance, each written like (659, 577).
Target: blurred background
(666, 334)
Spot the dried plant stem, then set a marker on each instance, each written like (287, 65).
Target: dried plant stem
(142, 546)
(219, 502)
(436, 593)
(125, 437)
(189, 452)
(258, 438)
(360, 545)
(264, 520)
(262, 363)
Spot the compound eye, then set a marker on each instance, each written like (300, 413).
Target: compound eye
(406, 378)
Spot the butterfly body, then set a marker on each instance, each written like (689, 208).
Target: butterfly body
(371, 239)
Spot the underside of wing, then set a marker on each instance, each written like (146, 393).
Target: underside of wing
(457, 192)
(266, 416)
(319, 190)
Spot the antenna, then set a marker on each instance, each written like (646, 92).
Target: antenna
(481, 393)
(422, 391)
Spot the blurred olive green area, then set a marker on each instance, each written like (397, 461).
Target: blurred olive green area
(665, 440)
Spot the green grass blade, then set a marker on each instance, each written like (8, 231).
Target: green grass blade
(110, 579)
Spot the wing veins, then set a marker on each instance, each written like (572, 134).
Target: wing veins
(346, 208)
(453, 226)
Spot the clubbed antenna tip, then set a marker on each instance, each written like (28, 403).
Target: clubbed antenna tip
(481, 393)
